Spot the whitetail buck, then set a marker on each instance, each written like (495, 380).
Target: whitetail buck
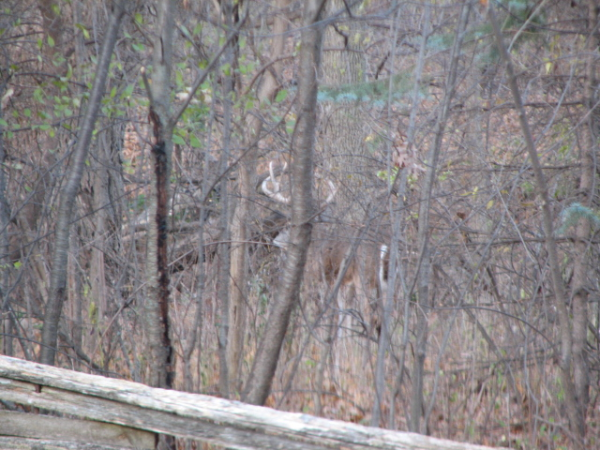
(365, 282)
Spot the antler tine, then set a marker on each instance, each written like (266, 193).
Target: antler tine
(333, 189)
(275, 194)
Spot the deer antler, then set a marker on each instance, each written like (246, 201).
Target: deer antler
(332, 192)
(275, 194)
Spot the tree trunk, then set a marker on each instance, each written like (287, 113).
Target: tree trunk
(587, 190)
(198, 324)
(565, 353)
(423, 238)
(58, 280)
(302, 150)
(240, 237)
(52, 22)
(6, 326)
(388, 291)
(161, 355)
(224, 255)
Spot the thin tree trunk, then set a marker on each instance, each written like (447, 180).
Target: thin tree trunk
(52, 22)
(99, 287)
(224, 273)
(387, 292)
(587, 190)
(161, 354)
(58, 280)
(239, 249)
(303, 142)
(6, 326)
(565, 354)
(401, 205)
(423, 238)
(197, 326)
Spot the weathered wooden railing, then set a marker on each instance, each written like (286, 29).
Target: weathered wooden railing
(123, 414)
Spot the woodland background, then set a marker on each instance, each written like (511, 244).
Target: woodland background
(145, 241)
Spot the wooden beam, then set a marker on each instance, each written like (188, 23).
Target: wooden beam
(59, 430)
(210, 419)
(21, 443)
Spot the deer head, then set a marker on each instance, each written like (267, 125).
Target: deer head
(365, 280)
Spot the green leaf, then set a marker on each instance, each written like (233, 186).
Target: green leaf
(178, 140)
(195, 142)
(127, 92)
(3, 123)
(83, 29)
(51, 41)
(113, 92)
(290, 125)
(281, 96)
(184, 30)
(139, 18)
